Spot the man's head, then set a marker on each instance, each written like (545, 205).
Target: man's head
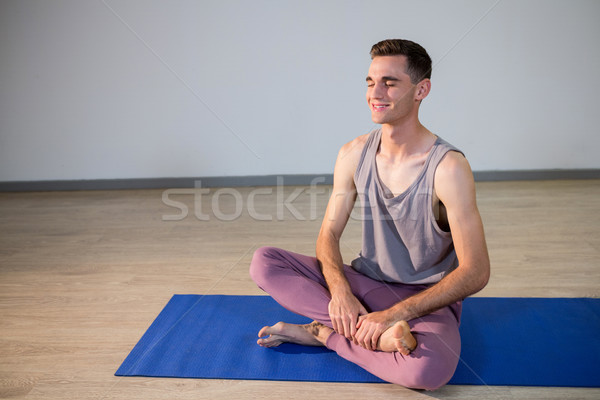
(418, 62)
(397, 82)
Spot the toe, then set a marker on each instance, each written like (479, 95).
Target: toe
(264, 331)
(269, 341)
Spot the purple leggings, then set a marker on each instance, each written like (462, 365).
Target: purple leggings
(295, 281)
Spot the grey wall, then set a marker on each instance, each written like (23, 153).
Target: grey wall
(138, 89)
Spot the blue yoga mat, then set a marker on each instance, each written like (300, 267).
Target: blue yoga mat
(505, 341)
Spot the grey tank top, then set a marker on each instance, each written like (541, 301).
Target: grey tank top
(402, 241)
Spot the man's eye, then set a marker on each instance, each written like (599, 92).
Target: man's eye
(370, 85)
(388, 84)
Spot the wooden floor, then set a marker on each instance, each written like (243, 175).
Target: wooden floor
(83, 274)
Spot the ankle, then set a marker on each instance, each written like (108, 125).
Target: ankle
(320, 331)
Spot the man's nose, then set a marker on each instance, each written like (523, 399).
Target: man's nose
(378, 90)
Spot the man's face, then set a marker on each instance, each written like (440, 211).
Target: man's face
(390, 94)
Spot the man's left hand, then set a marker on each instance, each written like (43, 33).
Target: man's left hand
(370, 327)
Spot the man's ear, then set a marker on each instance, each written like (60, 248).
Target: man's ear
(423, 89)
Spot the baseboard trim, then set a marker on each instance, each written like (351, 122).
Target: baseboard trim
(536, 175)
(163, 183)
(265, 180)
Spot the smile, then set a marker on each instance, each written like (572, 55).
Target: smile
(379, 107)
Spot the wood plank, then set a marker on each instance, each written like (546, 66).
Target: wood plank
(83, 274)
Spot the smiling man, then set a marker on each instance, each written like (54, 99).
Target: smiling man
(395, 310)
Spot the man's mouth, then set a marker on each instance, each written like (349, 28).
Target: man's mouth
(379, 107)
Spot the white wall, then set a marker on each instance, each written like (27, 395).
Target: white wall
(216, 88)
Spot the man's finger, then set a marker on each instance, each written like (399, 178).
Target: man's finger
(374, 340)
(348, 327)
(359, 323)
(334, 323)
(367, 340)
(358, 337)
(341, 327)
(352, 323)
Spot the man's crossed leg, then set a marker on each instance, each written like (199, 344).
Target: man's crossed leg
(424, 359)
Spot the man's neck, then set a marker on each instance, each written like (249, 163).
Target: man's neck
(400, 141)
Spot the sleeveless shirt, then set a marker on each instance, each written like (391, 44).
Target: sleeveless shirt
(402, 241)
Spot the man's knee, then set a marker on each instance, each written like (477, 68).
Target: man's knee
(430, 375)
(259, 266)
(430, 380)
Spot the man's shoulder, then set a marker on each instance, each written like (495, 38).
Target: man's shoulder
(349, 158)
(453, 162)
(354, 148)
(453, 173)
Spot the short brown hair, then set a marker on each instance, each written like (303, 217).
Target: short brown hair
(417, 60)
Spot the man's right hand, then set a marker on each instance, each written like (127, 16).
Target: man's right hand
(344, 310)
(344, 307)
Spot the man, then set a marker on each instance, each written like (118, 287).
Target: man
(395, 310)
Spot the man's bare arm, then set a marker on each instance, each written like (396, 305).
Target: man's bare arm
(344, 308)
(455, 188)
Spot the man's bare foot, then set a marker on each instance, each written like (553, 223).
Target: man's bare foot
(398, 338)
(313, 334)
